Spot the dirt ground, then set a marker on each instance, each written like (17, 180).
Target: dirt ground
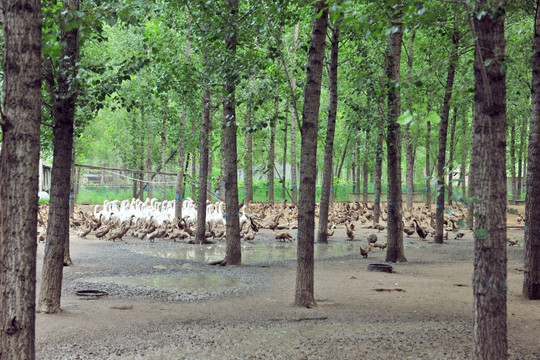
(423, 310)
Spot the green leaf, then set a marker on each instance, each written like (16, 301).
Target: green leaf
(462, 223)
(405, 118)
(319, 14)
(481, 233)
(433, 117)
(111, 21)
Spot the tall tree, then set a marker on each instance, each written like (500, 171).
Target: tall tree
(178, 199)
(272, 150)
(451, 155)
(248, 159)
(21, 116)
(395, 250)
(513, 159)
(531, 281)
(63, 91)
(327, 183)
(234, 252)
(379, 152)
(409, 156)
(308, 165)
(443, 132)
(489, 146)
(203, 163)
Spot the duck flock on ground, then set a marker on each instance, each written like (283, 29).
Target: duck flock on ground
(153, 219)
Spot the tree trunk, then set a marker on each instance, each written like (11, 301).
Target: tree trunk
(441, 158)
(234, 251)
(409, 153)
(395, 250)
(531, 281)
(294, 120)
(148, 156)
(520, 159)
(378, 165)
(327, 183)
(428, 165)
(248, 160)
(164, 145)
(58, 224)
(451, 155)
(284, 168)
(513, 159)
(365, 176)
(272, 151)
(305, 296)
(489, 279)
(353, 170)
(194, 159)
(465, 144)
(179, 197)
(21, 117)
(338, 170)
(203, 161)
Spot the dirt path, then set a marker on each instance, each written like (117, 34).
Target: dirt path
(421, 311)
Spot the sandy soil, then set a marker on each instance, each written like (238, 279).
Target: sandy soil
(423, 310)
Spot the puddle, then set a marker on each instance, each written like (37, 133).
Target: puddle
(250, 253)
(188, 282)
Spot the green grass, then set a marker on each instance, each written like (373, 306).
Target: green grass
(96, 195)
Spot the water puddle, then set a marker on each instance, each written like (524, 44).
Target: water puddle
(250, 253)
(188, 282)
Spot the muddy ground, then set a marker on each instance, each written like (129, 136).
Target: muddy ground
(423, 310)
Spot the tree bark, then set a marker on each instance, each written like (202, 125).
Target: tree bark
(378, 165)
(489, 279)
(149, 185)
(441, 158)
(248, 160)
(308, 165)
(409, 153)
(465, 144)
(20, 123)
(451, 155)
(428, 165)
(272, 151)
(179, 196)
(338, 170)
(200, 231)
(58, 225)
(395, 250)
(294, 120)
(520, 158)
(365, 170)
(327, 183)
(234, 251)
(513, 159)
(531, 281)
(284, 168)
(164, 145)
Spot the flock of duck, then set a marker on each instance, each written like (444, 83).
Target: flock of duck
(152, 219)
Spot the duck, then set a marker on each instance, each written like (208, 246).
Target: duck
(284, 236)
(408, 230)
(84, 231)
(365, 250)
(350, 233)
(421, 233)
